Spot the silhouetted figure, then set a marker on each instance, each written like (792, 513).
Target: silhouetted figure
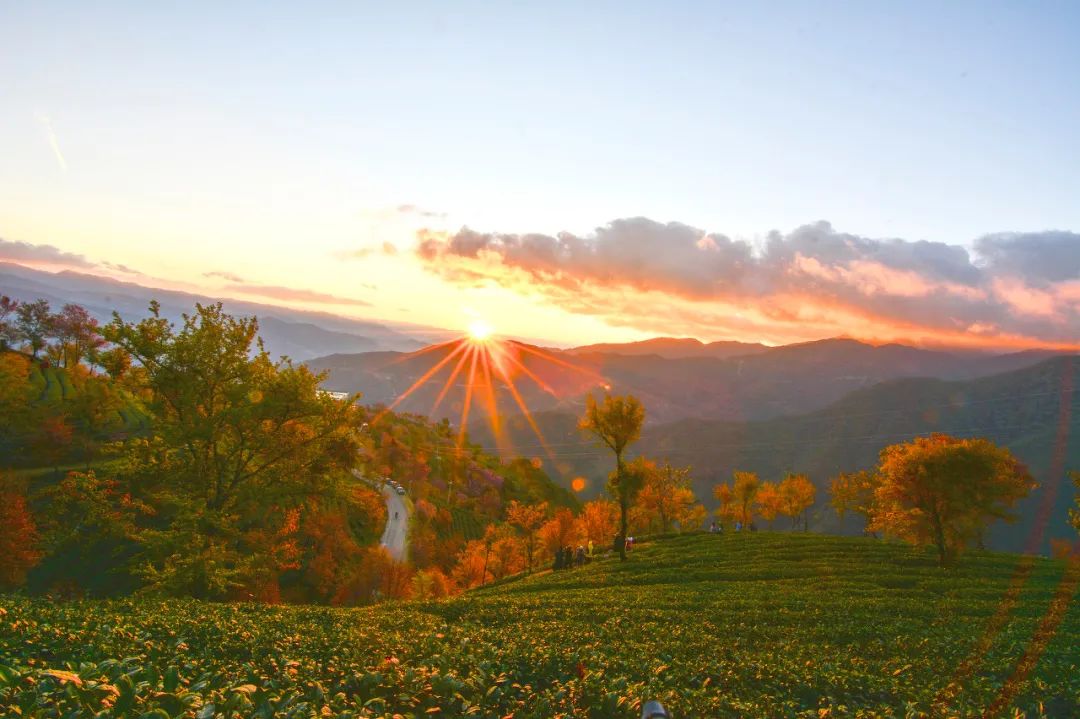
(558, 559)
(579, 558)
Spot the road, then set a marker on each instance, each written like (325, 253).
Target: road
(396, 535)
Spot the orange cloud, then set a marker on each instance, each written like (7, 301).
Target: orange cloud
(811, 283)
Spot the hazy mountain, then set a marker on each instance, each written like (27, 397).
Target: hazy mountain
(674, 348)
(777, 381)
(1034, 411)
(296, 333)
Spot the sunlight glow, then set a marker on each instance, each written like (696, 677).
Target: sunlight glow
(480, 331)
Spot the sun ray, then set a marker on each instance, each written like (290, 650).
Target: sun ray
(489, 396)
(468, 397)
(551, 358)
(424, 350)
(528, 372)
(423, 378)
(450, 382)
(525, 411)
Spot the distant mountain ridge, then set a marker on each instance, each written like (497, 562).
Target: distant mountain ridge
(298, 334)
(674, 348)
(771, 382)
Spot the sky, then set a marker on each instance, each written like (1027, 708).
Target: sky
(573, 172)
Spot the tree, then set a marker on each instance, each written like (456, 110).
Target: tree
(8, 332)
(234, 434)
(744, 489)
(726, 511)
(943, 491)
(854, 492)
(768, 502)
(34, 323)
(797, 494)
(667, 499)
(527, 519)
(559, 531)
(18, 535)
(617, 424)
(598, 522)
(76, 333)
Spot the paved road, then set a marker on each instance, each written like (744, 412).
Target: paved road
(396, 535)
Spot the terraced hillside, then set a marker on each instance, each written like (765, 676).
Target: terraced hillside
(752, 625)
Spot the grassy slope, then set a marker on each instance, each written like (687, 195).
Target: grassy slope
(735, 625)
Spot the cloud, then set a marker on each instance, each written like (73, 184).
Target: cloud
(294, 294)
(41, 255)
(420, 212)
(387, 248)
(227, 276)
(809, 283)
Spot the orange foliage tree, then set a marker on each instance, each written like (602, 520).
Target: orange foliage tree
(942, 490)
(18, 536)
(797, 494)
(768, 502)
(559, 531)
(667, 500)
(599, 522)
(527, 519)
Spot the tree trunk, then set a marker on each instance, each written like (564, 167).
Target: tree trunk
(622, 506)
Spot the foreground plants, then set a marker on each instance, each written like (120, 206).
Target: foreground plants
(732, 625)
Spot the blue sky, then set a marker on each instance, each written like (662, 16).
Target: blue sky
(185, 131)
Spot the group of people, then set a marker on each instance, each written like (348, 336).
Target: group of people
(719, 528)
(566, 557)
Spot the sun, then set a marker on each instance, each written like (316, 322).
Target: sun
(480, 331)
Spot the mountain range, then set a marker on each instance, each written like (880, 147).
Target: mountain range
(298, 334)
(767, 382)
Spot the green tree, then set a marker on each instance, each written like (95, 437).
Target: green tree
(1074, 514)
(943, 491)
(34, 324)
(617, 424)
(236, 438)
(8, 332)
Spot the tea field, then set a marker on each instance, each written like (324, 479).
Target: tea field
(752, 625)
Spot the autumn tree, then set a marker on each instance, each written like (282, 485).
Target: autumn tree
(854, 492)
(744, 489)
(617, 424)
(598, 522)
(768, 502)
(667, 499)
(943, 490)
(797, 495)
(18, 535)
(527, 519)
(559, 531)
(76, 333)
(725, 498)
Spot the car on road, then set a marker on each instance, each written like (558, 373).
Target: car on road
(400, 489)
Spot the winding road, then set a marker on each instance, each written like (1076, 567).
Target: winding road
(398, 512)
(396, 535)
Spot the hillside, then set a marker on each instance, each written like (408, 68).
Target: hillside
(711, 625)
(1033, 411)
(774, 382)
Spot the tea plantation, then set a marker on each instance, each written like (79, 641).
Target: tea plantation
(752, 625)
